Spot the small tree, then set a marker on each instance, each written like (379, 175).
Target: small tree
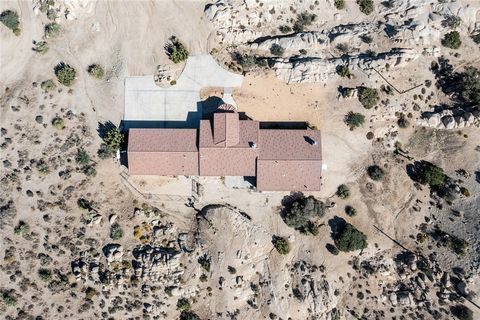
(339, 4)
(113, 139)
(281, 244)
(403, 122)
(116, 232)
(343, 192)
(427, 173)
(354, 120)
(375, 173)
(65, 74)
(277, 50)
(304, 19)
(45, 275)
(96, 71)
(368, 97)
(452, 40)
(52, 30)
(350, 238)
(343, 71)
(82, 156)
(366, 6)
(176, 51)
(10, 19)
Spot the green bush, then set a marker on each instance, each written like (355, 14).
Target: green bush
(350, 211)
(281, 244)
(82, 156)
(403, 122)
(339, 4)
(45, 275)
(452, 40)
(10, 19)
(277, 50)
(89, 171)
(469, 83)
(299, 213)
(48, 85)
(52, 30)
(90, 293)
(343, 71)
(42, 167)
(65, 74)
(58, 123)
(40, 47)
(183, 304)
(116, 231)
(366, 6)
(9, 298)
(113, 140)
(368, 97)
(428, 173)
(285, 29)
(350, 239)
(96, 71)
(22, 228)
(354, 120)
(176, 51)
(343, 192)
(304, 20)
(375, 172)
(461, 312)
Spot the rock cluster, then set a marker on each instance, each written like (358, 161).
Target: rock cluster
(450, 119)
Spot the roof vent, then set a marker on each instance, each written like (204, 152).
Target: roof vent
(313, 142)
(253, 145)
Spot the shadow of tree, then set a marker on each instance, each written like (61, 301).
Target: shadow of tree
(105, 127)
(336, 224)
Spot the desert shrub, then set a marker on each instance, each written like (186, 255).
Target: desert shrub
(304, 20)
(427, 173)
(42, 167)
(350, 211)
(368, 97)
(116, 232)
(461, 312)
(189, 315)
(452, 40)
(45, 274)
(52, 30)
(183, 304)
(281, 244)
(302, 51)
(285, 29)
(366, 38)
(339, 4)
(9, 298)
(476, 38)
(10, 19)
(332, 249)
(22, 228)
(205, 262)
(403, 122)
(350, 238)
(277, 50)
(58, 123)
(299, 213)
(176, 51)
(82, 156)
(231, 270)
(103, 152)
(343, 71)
(375, 172)
(89, 171)
(343, 191)
(246, 61)
(354, 119)
(40, 47)
(48, 85)
(452, 21)
(366, 6)
(65, 73)
(96, 71)
(90, 293)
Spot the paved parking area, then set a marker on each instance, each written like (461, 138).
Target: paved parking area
(145, 101)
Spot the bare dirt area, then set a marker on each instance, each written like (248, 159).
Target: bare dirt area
(392, 234)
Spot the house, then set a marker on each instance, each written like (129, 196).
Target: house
(279, 159)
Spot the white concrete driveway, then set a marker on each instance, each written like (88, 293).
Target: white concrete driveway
(145, 101)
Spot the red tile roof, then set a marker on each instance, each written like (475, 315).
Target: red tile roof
(282, 160)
